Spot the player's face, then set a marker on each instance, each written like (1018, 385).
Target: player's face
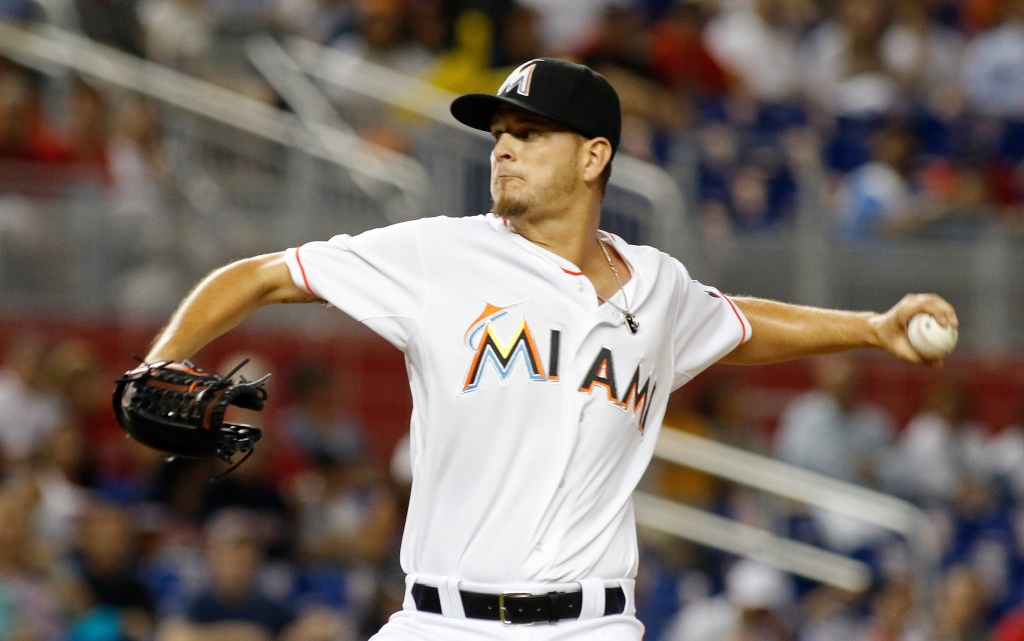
(535, 164)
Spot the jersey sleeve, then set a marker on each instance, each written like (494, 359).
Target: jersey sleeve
(376, 277)
(707, 327)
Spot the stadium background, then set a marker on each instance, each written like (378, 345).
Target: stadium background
(831, 152)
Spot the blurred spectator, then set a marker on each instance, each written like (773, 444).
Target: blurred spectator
(349, 514)
(107, 565)
(25, 135)
(89, 130)
(112, 22)
(755, 606)
(875, 199)
(921, 53)
(520, 36)
(893, 617)
(568, 23)
(383, 35)
(139, 164)
(679, 57)
(233, 607)
(1006, 457)
(466, 66)
(758, 44)
(993, 65)
(73, 371)
(719, 415)
(63, 500)
(319, 20)
(831, 614)
(745, 181)
(179, 33)
(313, 428)
(29, 412)
(181, 486)
(845, 69)
(941, 447)
(961, 608)
(682, 483)
(250, 488)
(831, 430)
(31, 608)
(616, 49)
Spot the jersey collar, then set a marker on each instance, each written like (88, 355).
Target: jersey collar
(633, 286)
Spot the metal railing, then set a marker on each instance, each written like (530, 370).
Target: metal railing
(245, 178)
(753, 543)
(769, 475)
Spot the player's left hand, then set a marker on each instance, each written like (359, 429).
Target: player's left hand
(891, 327)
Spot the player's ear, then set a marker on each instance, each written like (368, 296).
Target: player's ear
(597, 154)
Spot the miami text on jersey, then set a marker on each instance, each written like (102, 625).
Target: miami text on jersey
(484, 339)
(602, 374)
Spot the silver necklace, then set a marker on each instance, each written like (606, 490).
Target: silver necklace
(631, 321)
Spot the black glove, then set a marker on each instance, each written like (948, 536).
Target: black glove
(179, 409)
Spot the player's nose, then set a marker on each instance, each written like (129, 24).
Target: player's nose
(504, 147)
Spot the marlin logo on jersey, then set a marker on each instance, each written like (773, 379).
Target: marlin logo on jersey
(602, 375)
(489, 347)
(519, 79)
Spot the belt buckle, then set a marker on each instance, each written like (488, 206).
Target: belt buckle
(501, 607)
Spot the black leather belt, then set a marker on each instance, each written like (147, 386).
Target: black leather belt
(518, 607)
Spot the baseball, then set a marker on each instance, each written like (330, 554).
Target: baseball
(930, 339)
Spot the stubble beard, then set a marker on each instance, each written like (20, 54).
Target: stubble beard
(510, 206)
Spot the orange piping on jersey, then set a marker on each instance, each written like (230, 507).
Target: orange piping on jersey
(743, 339)
(572, 273)
(303, 270)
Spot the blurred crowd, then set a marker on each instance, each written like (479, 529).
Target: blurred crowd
(901, 117)
(965, 475)
(102, 539)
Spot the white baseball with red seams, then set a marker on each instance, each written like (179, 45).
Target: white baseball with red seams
(535, 410)
(930, 339)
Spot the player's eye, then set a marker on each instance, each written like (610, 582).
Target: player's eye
(531, 134)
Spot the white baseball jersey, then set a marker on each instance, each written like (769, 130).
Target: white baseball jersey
(535, 410)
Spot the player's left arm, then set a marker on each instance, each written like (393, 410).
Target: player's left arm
(783, 332)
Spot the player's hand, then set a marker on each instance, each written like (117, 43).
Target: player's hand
(891, 327)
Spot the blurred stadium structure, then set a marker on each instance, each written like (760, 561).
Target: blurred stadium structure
(336, 143)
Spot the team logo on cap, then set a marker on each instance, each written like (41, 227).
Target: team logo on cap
(519, 80)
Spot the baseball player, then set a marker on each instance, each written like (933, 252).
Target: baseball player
(541, 352)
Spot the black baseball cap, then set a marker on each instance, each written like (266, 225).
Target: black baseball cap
(571, 94)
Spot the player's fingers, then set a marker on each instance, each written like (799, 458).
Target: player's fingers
(914, 304)
(900, 346)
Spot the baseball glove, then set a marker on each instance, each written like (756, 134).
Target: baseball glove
(179, 409)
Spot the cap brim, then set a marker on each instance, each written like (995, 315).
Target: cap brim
(476, 110)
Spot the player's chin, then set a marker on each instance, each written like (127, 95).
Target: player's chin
(509, 207)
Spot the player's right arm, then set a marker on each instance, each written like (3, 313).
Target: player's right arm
(224, 299)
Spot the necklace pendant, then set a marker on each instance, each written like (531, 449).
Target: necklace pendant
(631, 322)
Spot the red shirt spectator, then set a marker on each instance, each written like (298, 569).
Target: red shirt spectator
(679, 57)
